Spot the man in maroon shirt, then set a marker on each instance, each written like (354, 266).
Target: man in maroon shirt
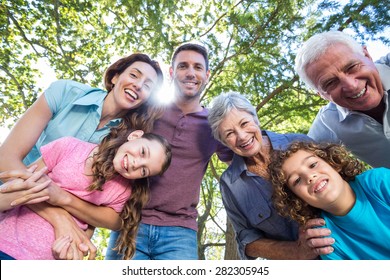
(168, 229)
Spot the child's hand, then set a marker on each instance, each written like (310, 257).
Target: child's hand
(89, 253)
(60, 248)
(78, 245)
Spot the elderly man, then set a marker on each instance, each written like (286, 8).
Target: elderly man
(343, 72)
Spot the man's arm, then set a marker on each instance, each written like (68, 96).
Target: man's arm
(224, 153)
(277, 250)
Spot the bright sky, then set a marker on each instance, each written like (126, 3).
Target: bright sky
(376, 49)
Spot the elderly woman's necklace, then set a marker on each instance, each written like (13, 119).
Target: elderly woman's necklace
(259, 163)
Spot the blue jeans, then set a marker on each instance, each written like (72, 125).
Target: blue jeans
(160, 243)
(4, 256)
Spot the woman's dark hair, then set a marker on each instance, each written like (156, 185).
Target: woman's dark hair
(141, 117)
(121, 65)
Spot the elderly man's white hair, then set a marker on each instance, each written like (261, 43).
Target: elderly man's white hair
(316, 46)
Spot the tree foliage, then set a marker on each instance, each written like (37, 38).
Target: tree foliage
(252, 45)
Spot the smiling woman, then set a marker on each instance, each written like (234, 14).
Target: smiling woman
(244, 185)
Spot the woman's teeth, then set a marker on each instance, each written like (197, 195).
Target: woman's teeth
(247, 143)
(131, 93)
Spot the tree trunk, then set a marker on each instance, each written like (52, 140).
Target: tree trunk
(231, 252)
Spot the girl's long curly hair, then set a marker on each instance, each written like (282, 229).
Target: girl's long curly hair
(103, 170)
(285, 201)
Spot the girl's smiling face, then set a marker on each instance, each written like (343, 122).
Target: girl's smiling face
(139, 157)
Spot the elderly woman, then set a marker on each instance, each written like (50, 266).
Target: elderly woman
(246, 190)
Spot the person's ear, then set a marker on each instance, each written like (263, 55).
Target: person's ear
(208, 76)
(114, 79)
(366, 54)
(323, 96)
(135, 134)
(171, 72)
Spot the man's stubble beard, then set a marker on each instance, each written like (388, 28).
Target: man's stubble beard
(180, 94)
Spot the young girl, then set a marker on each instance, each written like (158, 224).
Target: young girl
(104, 174)
(310, 177)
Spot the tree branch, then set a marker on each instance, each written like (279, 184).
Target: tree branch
(220, 18)
(19, 86)
(350, 19)
(276, 91)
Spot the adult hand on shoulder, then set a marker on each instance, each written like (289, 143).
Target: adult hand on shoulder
(316, 238)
